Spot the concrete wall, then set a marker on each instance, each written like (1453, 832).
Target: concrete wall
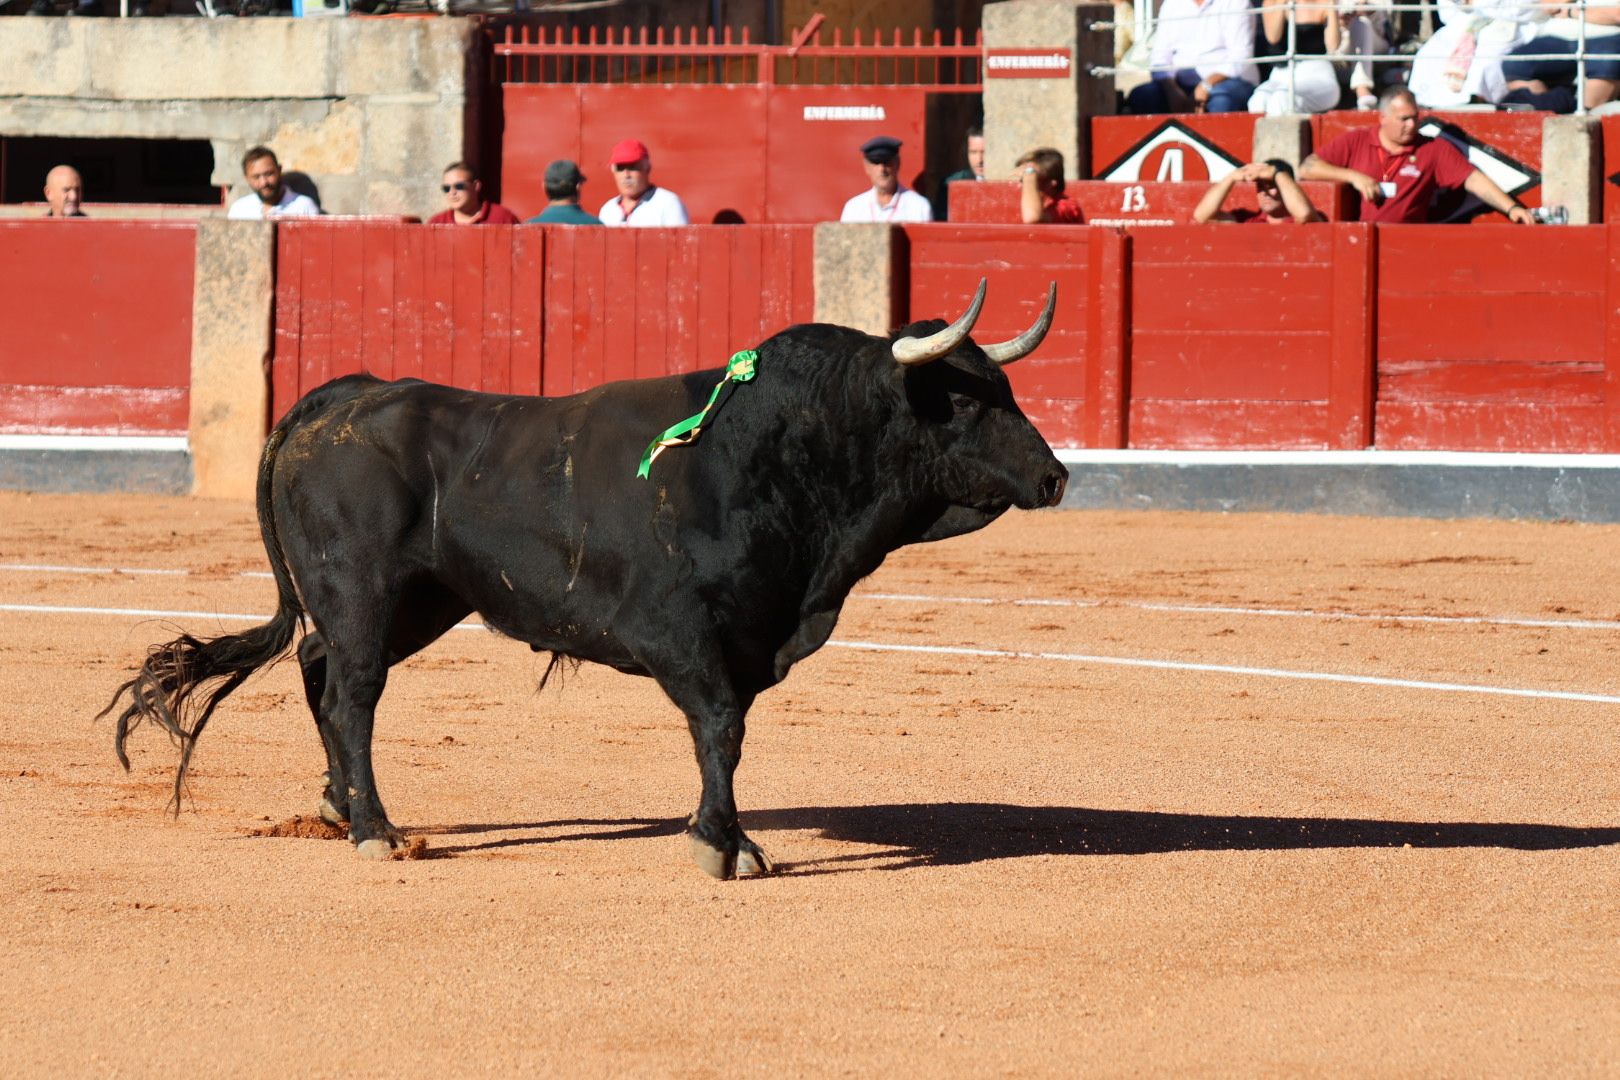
(369, 110)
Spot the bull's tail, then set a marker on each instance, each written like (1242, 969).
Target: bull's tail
(183, 681)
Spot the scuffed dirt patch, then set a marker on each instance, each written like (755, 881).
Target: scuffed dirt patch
(301, 827)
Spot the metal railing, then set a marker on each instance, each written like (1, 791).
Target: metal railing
(1291, 56)
(534, 54)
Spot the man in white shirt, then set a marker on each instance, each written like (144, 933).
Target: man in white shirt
(1202, 59)
(639, 202)
(270, 198)
(887, 199)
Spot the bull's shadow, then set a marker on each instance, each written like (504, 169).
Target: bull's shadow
(945, 834)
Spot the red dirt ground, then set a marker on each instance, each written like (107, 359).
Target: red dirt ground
(992, 865)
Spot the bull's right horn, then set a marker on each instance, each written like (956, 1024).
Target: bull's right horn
(1005, 352)
(921, 350)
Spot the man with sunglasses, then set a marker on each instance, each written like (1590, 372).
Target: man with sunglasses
(464, 200)
(639, 202)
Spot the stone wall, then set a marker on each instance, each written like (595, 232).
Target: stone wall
(370, 110)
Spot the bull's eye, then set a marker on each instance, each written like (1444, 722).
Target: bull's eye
(966, 405)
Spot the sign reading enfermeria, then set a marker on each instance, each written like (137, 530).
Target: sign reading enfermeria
(1026, 64)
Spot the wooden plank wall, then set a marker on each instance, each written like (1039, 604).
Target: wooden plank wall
(95, 326)
(527, 309)
(1494, 339)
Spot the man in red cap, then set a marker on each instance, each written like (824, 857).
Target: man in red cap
(638, 201)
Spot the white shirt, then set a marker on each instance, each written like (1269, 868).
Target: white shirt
(906, 205)
(1215, 38)
(251, 208)
(660, 206)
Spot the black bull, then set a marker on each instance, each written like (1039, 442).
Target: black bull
(390, 511)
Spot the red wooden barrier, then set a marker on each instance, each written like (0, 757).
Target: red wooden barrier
(1250, 338)
(527, 309)
(95, 326)
(629, 303)
(1107, 203)
(1073, 388)
(1505, 146)
(1498, 340)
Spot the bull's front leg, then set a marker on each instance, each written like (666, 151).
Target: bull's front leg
(719, 846)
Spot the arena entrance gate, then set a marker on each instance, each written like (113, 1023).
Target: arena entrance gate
(742, 132)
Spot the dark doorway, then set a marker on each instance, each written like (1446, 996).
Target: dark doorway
(114, 170)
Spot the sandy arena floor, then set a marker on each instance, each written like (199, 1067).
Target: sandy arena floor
(1004, 856)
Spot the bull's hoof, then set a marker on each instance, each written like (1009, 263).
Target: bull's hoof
(752, 860)
(711, 860)
(375, 850)
(331, 815)
(749, 861)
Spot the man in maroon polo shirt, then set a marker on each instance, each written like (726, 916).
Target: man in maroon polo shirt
(464, 200)
(1397, 171)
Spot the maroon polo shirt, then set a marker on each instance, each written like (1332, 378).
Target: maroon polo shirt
(1416, 172)
(488, 214)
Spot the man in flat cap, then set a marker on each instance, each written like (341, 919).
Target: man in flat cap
(888, 199)
(562, 182)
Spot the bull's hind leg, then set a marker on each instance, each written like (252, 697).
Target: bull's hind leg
(354, 685)
(334, 808)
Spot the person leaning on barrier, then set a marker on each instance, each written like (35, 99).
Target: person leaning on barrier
(639, 202)
(562, 182)
(464, 200)
(1202, 59)
(1396, 171)
(1550, 84)
(1280, 198)
(887, 200)
(1040, 198)
(64, 188)
(270, 198)
(974, 171)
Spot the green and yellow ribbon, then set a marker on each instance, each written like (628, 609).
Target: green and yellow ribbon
(740, 368)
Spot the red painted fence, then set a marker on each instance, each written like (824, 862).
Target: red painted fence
(527, 309)
(95, 326)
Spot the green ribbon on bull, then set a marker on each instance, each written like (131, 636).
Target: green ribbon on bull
(740, 368)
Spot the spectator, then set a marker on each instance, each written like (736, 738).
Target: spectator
(887, 199)
(1367, 32)
(1315, 82)
(1550, 84)
(1462, 62)
(974, 171)
(1202, 59)
(63, 190)
(562, 182)
(638, 202)
(464, 200)
(1396, 171)
(270, 198)
(1280, 198)
(1041, 199)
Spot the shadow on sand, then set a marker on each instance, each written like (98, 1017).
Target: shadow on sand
(944, 834)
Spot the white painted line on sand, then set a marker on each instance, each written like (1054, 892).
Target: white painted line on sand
(960, 650)
(993, 601)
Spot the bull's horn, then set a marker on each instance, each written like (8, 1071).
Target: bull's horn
(1005, 352)
(921, 350)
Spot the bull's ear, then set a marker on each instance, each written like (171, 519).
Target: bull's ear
(924, 349)
(1005, 352)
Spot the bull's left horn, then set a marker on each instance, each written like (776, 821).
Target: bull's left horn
(1005, 352)
(921, 350)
